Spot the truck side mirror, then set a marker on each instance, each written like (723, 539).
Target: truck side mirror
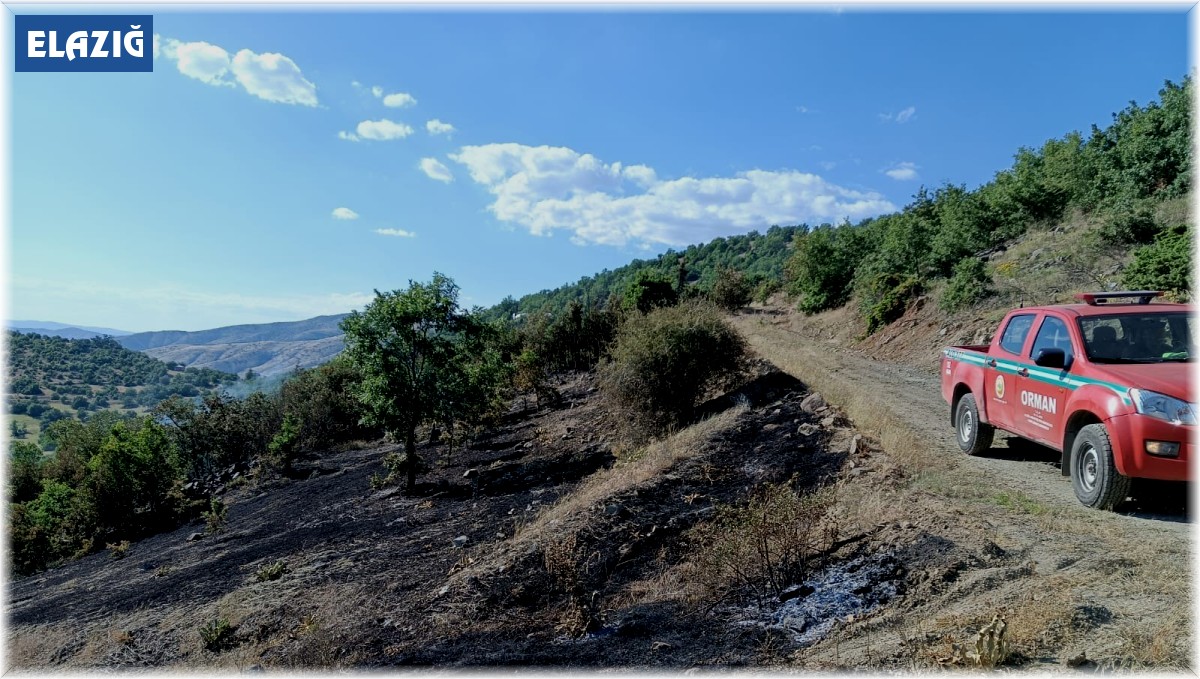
(1051, 358)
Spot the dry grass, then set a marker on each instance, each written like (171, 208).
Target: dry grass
(872, 417)
(629, 472)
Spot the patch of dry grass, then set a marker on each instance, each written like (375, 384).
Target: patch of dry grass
(642, 465)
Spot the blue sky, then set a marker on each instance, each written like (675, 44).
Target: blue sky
(204, 194)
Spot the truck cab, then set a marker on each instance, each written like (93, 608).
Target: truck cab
(1105, 382)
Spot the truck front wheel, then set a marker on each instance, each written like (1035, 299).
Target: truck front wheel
(974, 436)
(1094, 476)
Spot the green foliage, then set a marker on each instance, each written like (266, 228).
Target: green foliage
(422, 359)
(731, 291)
(285, 445)
(1165, 264)
(118, 550)
(220, 430)
(130, 478)
(886, 297)
(1130, 222)
(24, 471)
(217, 635)
(270, 572)
(92, 373)
(649, 290)
(18, 429)
(755, 254)
(970, 283)
(765, 288)
(54, 526)
(667, 362)
(575, 340)
(215, 517)
(822, 266)
(323, 404)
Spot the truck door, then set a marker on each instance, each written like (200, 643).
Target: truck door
(1000, 376)
(1041, 397)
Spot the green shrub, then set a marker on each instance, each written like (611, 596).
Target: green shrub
(650, 290)
(766, 288)
(270, 572)
(731, 291)
(970, 283)
(24, 471)
(886, 298)
(1165, 264)
(284, 447)
(1130, 223)
(322, 402)
(217, 635)
(214, 518)
(667, 362)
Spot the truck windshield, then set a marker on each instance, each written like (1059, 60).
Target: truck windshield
(1138, 337)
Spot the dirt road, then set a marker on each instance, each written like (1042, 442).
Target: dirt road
(1130, 564)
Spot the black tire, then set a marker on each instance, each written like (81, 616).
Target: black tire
(973, 436)
(1094, 475)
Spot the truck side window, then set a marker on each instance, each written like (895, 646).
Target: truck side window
(1013, 339)
(1053, 335)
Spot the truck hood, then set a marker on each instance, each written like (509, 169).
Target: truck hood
(1171, 379)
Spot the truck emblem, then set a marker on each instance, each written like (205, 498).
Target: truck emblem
(999, 386)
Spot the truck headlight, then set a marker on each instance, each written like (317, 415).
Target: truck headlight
(1163, 407)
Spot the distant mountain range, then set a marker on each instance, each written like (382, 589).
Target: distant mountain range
(266, 348)
(64, 330)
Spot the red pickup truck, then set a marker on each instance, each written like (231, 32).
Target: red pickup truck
(1105, 382)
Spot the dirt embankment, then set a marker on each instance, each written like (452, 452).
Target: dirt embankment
(544, 543)
(1113, 587)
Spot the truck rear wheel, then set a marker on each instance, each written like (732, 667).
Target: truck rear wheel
(1094, 475)
(974, 436)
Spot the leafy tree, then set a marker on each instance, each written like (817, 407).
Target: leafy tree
(731, 291)
(18, 429)
(649, 290)
(409, 346)
(25, 471)
(1165, 264)
(969, 284)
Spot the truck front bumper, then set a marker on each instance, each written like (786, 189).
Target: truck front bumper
(1129, 435)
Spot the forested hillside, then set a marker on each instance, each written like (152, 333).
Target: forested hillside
(1104, 209)
(760, 258)
(52, 378)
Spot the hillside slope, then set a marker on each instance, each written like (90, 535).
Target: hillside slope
(267, 358)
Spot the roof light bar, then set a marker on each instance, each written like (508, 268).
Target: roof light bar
(1104, 298)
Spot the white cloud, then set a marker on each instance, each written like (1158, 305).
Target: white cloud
(377, 130)
(901, 117)
(344, 213)
(270, 76)
(902, 171)
(399, 100)
(377, 91)
(273, 77)
(436, 126)
(401, 233)
(355, 84)
(546, 188)
(803, 109)
(200, 60)
(434, 169)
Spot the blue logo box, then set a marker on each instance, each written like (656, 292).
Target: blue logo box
(85, 43)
